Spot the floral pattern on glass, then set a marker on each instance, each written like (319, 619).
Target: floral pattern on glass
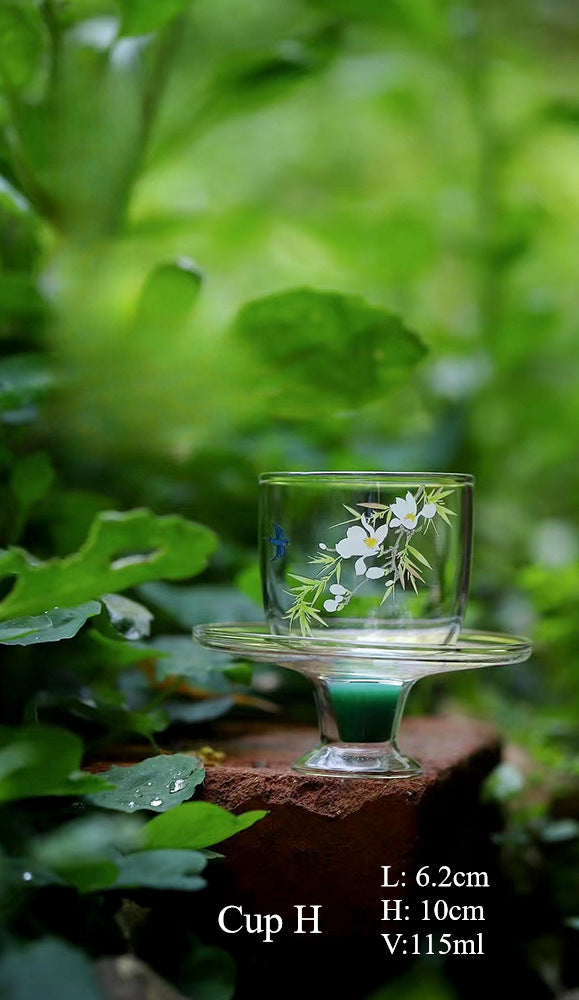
(383, 540)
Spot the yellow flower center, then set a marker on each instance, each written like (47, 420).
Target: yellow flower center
(410, 517)
(370, 542)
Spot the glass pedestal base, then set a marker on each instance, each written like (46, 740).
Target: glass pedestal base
(346, 760)
(360, 685)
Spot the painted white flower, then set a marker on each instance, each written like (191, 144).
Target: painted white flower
(429, 510)
(404, 511)
(363, 540)
(340, 593)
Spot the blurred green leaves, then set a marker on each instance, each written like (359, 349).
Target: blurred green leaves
(49, 968)
(42, 760)
(23, 44)
(121, 550)
(318, 351)
(166, 299)
(141, 17)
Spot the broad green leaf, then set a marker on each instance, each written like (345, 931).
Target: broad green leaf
(60, 623)
(158, 783)
(49, 969)
(190, 606)
(167, 298)
(121, 550)
(50, 764)
(314, 349)
(195, 825)
(160, 870)
(130, 618)
(141, 17)
(32, 477)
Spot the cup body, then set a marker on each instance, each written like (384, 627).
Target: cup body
(385, 553)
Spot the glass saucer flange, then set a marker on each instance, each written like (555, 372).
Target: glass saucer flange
(361, 681)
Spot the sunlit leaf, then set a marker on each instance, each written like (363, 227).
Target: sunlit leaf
(156, 784)
(194, 825)
(121, 550)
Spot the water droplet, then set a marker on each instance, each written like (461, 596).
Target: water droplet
(27, 876)
(149, 783)
(132, 804)
(177, 786)
(157, 802)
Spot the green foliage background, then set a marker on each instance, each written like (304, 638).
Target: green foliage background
(165, 165)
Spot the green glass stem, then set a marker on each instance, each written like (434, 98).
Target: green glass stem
(361, 711)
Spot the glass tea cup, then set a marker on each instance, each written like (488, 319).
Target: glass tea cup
(382, 554)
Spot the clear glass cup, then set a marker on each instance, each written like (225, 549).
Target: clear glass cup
(375, 557)
(386, 554)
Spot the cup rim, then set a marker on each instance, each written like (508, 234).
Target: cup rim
(395, 478)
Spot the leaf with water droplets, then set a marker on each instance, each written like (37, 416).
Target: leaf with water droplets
(52, 626)
(156, 784)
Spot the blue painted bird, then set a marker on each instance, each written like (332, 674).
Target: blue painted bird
(280, 541)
